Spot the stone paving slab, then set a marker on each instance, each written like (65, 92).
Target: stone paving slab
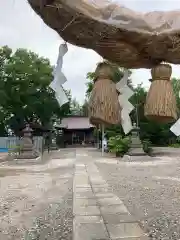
(82, 186)
(109, 201)
(81, 179)
(98, 181)
(90, 231)
(84, 189)
(124, 230)
(114, 209)
(118, 218)
(86, 211)
(132, 238)
(81, 182)
(81, 171)
(85, 202)
(105, 195)
(96, 177)
(80, 165)
(84, 195)
(100, 190)
(89, 219)
(97, 186)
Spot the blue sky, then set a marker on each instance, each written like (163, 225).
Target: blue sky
(20, 27)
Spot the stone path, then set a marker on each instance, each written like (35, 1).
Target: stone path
(98, 213)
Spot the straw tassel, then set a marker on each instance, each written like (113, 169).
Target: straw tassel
(104, 107)
(161, 102)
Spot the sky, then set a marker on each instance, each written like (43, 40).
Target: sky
(20, 27)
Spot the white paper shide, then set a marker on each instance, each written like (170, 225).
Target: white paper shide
(59, 77)
(127, 107)
(176, 128)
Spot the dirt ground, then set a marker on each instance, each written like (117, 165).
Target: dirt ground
(3, 156)
(36, 199)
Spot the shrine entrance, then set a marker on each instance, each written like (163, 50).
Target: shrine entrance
(76, 138)
(76, 130)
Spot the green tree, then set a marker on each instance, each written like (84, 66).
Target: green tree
(79, 109)
(85, 108)
(176, 88)
(24, 89)
(75, 107)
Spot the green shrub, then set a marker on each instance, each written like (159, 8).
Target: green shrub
(178, 140)
(15, 149)
(147, 146)
(119, 145)
(175, 145)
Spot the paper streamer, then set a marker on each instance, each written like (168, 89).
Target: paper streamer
(176, 127)
(61, 98)
(123, 82)
(59, 77)
(125, 104)
(126, 121)
(127, 107)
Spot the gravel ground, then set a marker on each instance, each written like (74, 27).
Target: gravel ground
(56, 222)
(151, 192)
(36, 201)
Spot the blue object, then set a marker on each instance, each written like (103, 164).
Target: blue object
(3, 149)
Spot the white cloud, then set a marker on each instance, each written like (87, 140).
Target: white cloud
(20, 27)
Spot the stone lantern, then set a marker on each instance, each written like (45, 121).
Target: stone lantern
(136, 148)
(27, 150)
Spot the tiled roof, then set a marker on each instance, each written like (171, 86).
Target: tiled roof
(75, 123)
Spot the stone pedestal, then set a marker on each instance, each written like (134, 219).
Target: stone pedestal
(27, 149)
(136, 148)
(53, 145)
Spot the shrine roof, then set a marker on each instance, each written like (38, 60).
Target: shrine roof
(75, 122)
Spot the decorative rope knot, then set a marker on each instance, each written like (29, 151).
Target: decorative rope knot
(101, 77)
(103, 71)
(162, 78)
(161, 72)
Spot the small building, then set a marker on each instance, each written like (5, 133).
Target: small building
(77, 129)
